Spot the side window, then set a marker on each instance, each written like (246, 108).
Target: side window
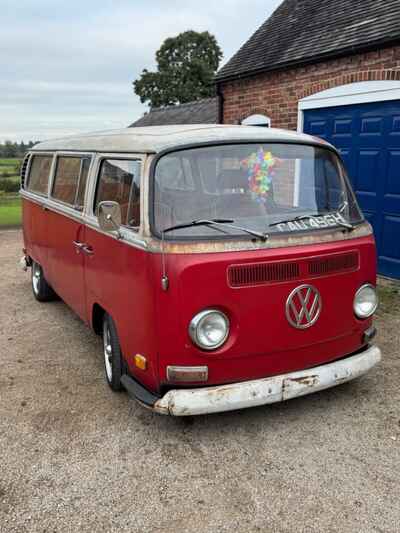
(119, 181)
(70, 180)
(39, 173)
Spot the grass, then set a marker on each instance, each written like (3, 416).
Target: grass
(9, 166)
(15, 177)
(389, 298)
(8, 161)
(10, 211)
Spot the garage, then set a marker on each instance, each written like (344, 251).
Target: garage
(332, 69)
(363, 121)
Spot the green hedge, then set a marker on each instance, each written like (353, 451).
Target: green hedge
(7, 185)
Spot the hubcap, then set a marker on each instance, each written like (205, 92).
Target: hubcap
(107, 352)
(36, 275)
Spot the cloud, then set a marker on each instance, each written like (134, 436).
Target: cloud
(69, 67)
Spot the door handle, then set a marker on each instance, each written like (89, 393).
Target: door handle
(87, 249)
(81, 246)
(78, 245)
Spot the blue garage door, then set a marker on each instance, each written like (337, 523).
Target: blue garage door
(368, 137)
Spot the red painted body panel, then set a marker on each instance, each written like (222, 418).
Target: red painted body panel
(65, 263)
(119, 279)
(126, 282)
(35, 226)
(262, 342)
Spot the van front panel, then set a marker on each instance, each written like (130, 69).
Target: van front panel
(262, 341)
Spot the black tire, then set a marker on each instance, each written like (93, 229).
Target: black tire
(40, 288)
(112, 353)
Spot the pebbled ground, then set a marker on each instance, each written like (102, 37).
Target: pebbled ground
(75, 457)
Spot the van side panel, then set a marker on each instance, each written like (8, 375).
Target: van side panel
(35, 226)
(66, 261)
(119, 279)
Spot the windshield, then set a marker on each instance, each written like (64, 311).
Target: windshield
(268, 188)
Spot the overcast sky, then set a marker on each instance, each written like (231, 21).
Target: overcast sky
(68, 67)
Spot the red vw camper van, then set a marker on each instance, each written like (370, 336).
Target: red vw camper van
(224, 266)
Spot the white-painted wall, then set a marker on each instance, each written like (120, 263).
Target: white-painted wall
(257, 120)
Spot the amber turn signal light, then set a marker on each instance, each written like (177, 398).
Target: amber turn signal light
(140, 362)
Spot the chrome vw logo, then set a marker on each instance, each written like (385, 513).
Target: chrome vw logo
(303, 306)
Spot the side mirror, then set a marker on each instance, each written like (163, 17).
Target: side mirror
(109, 216)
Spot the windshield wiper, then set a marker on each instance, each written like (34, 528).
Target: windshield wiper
(342, 223)
(218, 224)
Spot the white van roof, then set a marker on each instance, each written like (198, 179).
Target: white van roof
(154, 139)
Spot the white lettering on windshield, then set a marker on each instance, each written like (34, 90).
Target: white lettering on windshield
(323, 221)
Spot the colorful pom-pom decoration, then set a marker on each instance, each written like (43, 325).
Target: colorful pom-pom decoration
(260, 167)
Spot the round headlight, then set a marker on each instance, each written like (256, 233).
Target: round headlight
(209, 329)
(365, 301)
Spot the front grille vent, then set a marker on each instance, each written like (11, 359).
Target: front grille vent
(333, 264)
(262, 273)
(24, 166)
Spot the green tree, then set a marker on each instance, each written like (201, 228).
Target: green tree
(186, 65)
(15, 150)
(10, 149)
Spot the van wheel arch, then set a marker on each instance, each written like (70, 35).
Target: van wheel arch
(42, 291)
(97, 318)
(114, 364)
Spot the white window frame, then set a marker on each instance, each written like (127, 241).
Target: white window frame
(364, 92)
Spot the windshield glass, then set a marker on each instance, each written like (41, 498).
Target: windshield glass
(262, 187)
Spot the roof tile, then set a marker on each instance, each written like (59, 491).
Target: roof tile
(300, 31)
(200, 112)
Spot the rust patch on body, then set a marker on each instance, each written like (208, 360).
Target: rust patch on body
(221, 391)
(307, 381)
(275, 241)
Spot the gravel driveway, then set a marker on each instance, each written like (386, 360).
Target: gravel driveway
(77, 457)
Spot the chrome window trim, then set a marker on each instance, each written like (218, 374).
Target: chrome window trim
(311, 142)
(28, 173)
(63, 209)
(130, 237)
(51, 205)
(27, 170)
(32, 196)
(98, 159)
(76, 155)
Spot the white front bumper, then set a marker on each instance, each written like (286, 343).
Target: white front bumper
(187, 402)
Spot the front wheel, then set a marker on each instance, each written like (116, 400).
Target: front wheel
(40, 288)
(113, 362)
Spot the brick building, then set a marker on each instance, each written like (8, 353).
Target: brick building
(305, 47)
(331, 68)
